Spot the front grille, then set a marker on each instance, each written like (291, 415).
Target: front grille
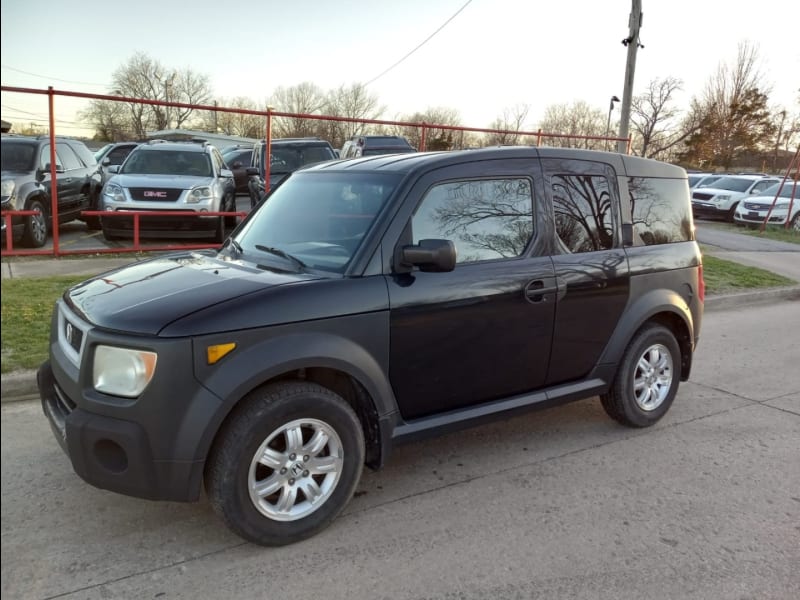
(155, 194)
(702, 196)
(754, 206)
(71, 334)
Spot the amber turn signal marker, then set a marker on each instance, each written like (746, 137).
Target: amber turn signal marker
(216, 352)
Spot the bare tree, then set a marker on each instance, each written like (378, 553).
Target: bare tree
(436, 138)
(145, 78)
(352, 101)
(654, 119)
(511, 121)
(305, 98)
(577, 119)
(243, 125)
(733, 114)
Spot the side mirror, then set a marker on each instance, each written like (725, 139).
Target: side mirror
(436, 256)
(252, 171)
(225, 173)
(113, 169)
(106, 161)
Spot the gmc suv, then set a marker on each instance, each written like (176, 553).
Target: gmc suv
(187, 177)
(26, 184)
(371, 301)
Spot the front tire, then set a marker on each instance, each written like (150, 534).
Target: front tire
(35, 233)
(286, 463)
(229, 205)
(647, 379)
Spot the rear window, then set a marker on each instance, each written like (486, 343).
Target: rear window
(661, 209)
(18, 156)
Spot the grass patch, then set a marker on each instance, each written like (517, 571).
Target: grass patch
(772, 232)
(724, 276)
(27, 305)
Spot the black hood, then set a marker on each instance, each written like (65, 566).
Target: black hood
(147, 296)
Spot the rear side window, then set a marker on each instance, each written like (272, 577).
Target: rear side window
(661, 210)
(486, 219)
(583, 212)
(84, 153)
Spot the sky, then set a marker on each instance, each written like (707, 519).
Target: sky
(490, 56)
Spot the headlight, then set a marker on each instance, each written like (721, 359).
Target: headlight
(7, 191)
(114, 191)
(199, 194)
(121, 371)
(722, 198)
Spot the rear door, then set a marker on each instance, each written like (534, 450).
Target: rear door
(589, 260)
(482, 331)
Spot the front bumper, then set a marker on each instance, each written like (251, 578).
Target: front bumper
(149, 447)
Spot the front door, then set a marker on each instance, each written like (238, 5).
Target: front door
(482, 331)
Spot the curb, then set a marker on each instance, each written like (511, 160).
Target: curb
(21, 385)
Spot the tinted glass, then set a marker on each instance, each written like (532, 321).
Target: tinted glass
(321, 218)
(118, 155)
(732, 184)
(661, 209)
(167, 162)
(69, 159)
(583, 212)
(485, 219)
(786, 192)
(18, 157)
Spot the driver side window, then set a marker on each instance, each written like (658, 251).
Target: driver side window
(486, 219)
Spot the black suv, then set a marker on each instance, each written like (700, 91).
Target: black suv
(288, 155)
(26, 184)
(371, 301)
(375, 145)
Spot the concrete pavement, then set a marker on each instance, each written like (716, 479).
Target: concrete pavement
(21, 385)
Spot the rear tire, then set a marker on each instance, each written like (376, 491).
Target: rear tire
(219, 231)
(285, 463)
(647, 379)
(35, 233)
(795, 223)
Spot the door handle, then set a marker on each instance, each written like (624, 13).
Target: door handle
(535, 290)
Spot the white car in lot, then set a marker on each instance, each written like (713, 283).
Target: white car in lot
(722, 197)
(753, 211)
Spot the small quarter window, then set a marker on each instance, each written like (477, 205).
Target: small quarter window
(583, 212)
(661, 210)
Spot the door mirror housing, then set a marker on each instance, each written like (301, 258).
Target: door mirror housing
(436, 256)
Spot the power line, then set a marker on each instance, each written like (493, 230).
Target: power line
(103, 85)
(420, 45)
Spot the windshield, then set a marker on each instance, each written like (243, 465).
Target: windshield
(733, 184)
(18, 157)
(319, 218)
(167, 162)
(99, 154)
(286, 159)
(786, 192)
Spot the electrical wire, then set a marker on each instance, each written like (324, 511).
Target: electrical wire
(103, 85)
(425, 41)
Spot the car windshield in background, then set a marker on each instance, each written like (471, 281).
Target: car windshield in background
(786, 192)
(289, 159)
(167, 162)
(18, 157)
(319, 218)
(732, 184)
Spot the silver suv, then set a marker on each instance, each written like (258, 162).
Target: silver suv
(720, 199)
(170, 176)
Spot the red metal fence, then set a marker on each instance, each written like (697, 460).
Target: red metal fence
(268, 115)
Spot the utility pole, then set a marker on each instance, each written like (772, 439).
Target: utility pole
(632, 43)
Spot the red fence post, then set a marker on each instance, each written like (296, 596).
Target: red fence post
(53, 178)
(268, 150)
(422, 138)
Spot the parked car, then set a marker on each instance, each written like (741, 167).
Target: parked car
(374, 145)
(287, 155)
(113, 154)
(698, 180)
(238, 160)
(170, 176)
(27, 184)
(753, 211)
(362, 305)
(720, 200)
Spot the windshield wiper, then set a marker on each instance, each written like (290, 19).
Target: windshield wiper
(236, 246)
(282, 254)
